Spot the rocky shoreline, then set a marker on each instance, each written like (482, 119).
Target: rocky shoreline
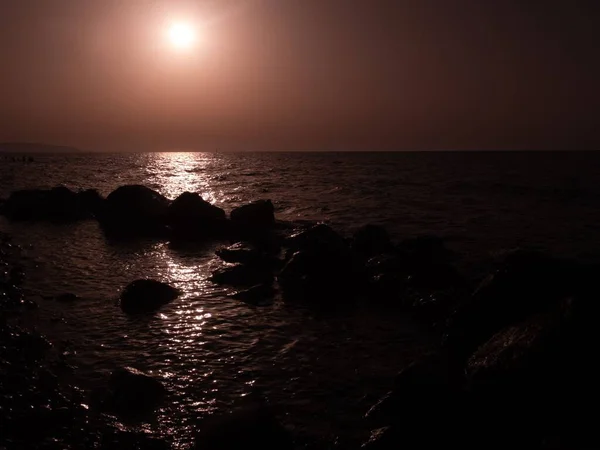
(514, 367)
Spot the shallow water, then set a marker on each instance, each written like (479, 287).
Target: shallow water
(322, 371)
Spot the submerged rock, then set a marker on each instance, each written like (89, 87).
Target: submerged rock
(371, 240)
(320, 238)
(248, 426)
(131, 392)
(259, 295)
(525, 283)
(56, 204)
(247, 253)
(146, 295)
(242, 275)
(259, 214)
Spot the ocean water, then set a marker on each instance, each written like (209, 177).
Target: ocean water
(321, 372)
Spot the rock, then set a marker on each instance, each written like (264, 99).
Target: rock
(246, 253)
(319, 276)
(191, 217)
(249, 426)
(427, 386)
(425, 251)
(56, 204)
(242, 275)
(320, 238)
(66, 298)
(256, 215)
(259, 295)
(131, 392)
(135, 210)
(371, 240)
(146, 295)
(525, 283)
(92, 201)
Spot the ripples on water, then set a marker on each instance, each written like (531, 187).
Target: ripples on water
(323, 372)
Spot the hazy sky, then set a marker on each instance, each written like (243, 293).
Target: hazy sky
(301, 74)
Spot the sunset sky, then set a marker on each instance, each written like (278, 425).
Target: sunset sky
(301, 74)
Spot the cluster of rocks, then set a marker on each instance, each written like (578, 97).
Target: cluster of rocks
(515, 367)
(135, 210)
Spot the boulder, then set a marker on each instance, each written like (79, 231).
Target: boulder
(247, 426)
(135, 210)
(247, 253)
(132, 392)
(425, 251)
(320, 276)
(56, 204)
(320, 238)
(259, 295)
(191, 217)
(242, 275)
(524, 284)
(258, 215)
(371, 240)
(92, 201)
(142, 296)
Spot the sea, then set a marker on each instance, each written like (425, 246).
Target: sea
(321, 372)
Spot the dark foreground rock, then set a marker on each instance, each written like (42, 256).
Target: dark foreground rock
(248, 426)
(258, 215)
(248, 253)
(135, 210)
(58, 204)
(241, 275)
(132, 392)
(371, 240)
(192, 218)
(142, 296)
(259, 295)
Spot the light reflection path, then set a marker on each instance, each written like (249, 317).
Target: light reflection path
(174, 173)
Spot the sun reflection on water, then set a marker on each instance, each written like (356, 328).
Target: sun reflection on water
(174, 173)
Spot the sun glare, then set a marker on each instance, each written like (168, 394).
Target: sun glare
(182, 35)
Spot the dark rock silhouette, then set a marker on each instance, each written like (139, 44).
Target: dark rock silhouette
(135, 210)
(371, 240)
(66, 298)
(142, 296)
(252, 425)
(56, 204)
(92, 201)
(248, 253)
(318, 238)
(131, 392)
(258, 215)
(259, 295)
(525, 283)
(191, 217)
(241, 275)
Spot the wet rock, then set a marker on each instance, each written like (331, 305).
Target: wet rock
(56, 204)
(242, 275)
(428, 386)
(248, 426)
(371, 240)
(525, 283)
(320, 238)
(66, 298)
(92, 201)
(146, 295)
(191, 217)
(425, 251)
(259, 214)
(259, 295)
(246, 253)
(135, 210)
(131, 392)
(320, 276)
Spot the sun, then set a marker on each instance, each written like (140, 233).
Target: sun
(182, 35)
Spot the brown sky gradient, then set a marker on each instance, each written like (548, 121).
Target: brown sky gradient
(302, 75)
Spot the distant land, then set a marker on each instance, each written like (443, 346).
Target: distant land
(30, 147)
